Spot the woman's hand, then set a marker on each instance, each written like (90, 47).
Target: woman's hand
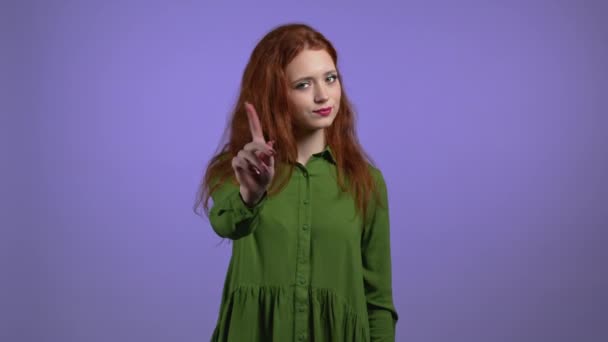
(254, 164)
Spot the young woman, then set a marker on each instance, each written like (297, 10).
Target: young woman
(303, 204)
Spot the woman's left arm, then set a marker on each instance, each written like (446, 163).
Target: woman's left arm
(376, 254)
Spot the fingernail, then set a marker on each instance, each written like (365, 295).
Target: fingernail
(254, 169)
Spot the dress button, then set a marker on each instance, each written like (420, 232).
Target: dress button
(302, 308)
(306, 201)
(301, 281)
(305, 227)
(302, 337)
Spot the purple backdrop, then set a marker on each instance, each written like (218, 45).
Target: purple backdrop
(488, 119)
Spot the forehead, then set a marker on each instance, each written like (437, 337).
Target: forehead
(309, 63)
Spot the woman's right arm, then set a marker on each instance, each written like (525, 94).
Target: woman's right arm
(236, 208)
(230, 216)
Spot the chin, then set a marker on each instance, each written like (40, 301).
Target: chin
(318, 123)
(322, 123)
(317, 127)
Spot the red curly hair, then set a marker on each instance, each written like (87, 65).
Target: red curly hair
(265, 85)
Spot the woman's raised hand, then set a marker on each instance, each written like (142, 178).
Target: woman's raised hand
(254, 164)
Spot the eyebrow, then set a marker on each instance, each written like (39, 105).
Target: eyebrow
(310, 77)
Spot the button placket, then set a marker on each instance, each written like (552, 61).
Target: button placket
(302, 294)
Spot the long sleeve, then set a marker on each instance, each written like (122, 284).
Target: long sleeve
(229, 216)
(376, 255)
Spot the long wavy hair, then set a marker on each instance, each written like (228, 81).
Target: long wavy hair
(265, 86)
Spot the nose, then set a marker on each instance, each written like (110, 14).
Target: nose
(321, 94)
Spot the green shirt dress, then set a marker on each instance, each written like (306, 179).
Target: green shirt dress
(301, 268)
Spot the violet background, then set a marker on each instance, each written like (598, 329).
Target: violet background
(487, 118)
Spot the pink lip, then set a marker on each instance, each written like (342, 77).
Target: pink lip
(324, 111)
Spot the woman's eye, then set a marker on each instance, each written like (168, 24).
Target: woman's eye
(301, 85)
(335, 77)
(331, 78)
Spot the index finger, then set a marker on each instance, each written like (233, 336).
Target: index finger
(254, 123)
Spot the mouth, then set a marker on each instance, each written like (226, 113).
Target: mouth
(323, 111)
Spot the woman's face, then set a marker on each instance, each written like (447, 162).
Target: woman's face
(313, 85)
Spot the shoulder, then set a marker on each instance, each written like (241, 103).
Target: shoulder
(377, 175)
(378, 195)
(380, 189)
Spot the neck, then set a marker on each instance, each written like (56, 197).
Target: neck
(310, 143)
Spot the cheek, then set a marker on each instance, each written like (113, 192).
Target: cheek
(336, 91)
(300, 101)
(337, 95)
(297, 103)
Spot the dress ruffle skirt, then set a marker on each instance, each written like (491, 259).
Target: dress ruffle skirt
(266, 313)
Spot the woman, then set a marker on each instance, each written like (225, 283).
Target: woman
(304, 206)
